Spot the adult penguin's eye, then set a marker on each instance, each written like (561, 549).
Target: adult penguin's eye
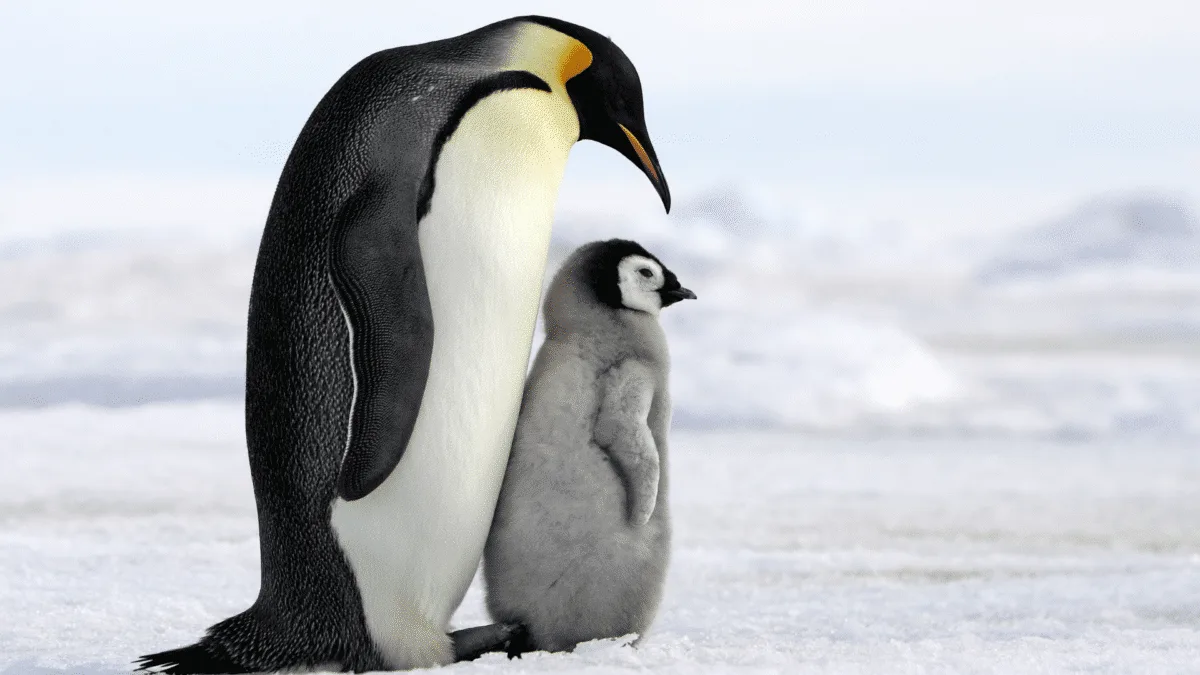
(645, 271)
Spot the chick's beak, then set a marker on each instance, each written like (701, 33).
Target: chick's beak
(674, 295)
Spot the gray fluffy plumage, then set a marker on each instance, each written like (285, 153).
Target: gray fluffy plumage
(581, 537)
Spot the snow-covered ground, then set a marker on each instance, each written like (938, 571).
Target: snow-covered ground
(895, 451)
(131, 530)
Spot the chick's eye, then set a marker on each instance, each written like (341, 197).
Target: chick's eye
(645, 271)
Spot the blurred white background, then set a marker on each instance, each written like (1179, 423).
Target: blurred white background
(937, 403)
(927, 217)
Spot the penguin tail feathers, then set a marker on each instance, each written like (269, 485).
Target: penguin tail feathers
(190, 660)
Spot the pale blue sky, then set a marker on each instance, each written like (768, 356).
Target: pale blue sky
(878, 109)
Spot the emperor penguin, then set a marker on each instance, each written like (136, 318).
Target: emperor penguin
(581, 537)
(391, 320)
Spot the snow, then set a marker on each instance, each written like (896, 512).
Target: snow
(764, 368)
(131, 530)
(114, 323)
(885, 460)
(798, 326)
(1114, 237)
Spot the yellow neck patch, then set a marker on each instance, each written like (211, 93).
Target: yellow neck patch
(575, 59)
(547, 53)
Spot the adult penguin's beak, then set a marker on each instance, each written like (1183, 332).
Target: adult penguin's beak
(643, 155)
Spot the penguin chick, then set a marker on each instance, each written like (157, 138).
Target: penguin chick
(579, 544)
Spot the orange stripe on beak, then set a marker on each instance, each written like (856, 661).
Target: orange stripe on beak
(641, 153)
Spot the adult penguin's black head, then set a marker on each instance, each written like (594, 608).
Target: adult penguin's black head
(607, 96)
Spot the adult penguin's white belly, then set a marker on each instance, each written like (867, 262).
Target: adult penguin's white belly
(415, 542)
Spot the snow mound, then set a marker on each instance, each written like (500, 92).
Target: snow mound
(126, 325)
(1111, 236)
(123, 324)
(799, 369)
(120, 320)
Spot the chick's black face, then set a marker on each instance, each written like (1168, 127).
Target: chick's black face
(608, 99)
(625, 276)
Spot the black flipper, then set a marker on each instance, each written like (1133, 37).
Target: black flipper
(471, 643)
(375, 266)
(190, 660)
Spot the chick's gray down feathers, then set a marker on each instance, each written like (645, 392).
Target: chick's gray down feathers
(580, 541)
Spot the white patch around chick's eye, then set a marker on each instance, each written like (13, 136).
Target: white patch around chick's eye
(640, 279)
